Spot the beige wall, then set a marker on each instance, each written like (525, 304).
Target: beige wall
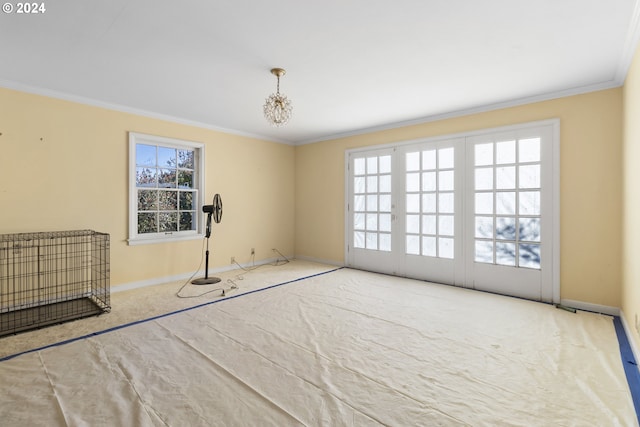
(64, 166)
(591, 179)
(631, 205)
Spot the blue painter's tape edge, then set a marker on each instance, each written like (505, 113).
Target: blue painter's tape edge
(629, 364)
(137, 322)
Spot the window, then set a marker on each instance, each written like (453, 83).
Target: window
(166, 180)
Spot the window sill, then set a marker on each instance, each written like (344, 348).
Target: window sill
(149, 241)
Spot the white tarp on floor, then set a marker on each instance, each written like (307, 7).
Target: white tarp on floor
(346, 348)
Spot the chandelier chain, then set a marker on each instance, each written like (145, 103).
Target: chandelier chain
(277, 108)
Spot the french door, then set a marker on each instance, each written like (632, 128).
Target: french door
(373, 211)
(430, 211)
(477, 210)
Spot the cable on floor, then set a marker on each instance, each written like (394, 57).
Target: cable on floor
(231, 282)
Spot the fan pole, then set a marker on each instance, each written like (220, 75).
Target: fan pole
(206, 280)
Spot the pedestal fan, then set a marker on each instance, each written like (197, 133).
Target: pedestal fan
(213, 210)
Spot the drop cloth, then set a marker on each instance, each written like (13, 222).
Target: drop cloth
(347, 348)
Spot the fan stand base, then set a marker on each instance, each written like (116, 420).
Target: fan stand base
(206, 281)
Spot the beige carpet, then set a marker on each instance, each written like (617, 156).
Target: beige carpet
(147, 302)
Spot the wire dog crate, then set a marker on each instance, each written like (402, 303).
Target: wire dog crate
(52, 277)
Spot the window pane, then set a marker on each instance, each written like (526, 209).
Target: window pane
(505, 152)
(429, 160)
(445, 180)
(185, 179)
(168, 200)
(506, 228)
(529, 176)
(385, 164)
(186, 201)
(506, 177)
(359, 184)
(385, 242)
(445, 225)
(145, 155)
(372, 222)
(484, 227)
(146, 177)
(445, 158)
(506, 203)
(428, 181)
(484, 251)
(385, 222)
(359, 167)
(372, 165)
(445, 248)
(429, 224)
(483, 154)
(359, 221)
(530, 229)
(413, 181)
(372, 184)
(167, 178)
(484, 203)
(529, 150)
(413, 224)
(385, 203)
(186, 159)
(484, 179)
(147, 223)
(445, 201)
(186, 221)
(167, 157)
(413, 203)
(529, 256)
(385, 183)
(372, 241)
(429, 203)
(358, 203)
(429, 246)
(147, 200)
(413, 245)
(505, 253)
(529, 202)
(372, 203)
(358, 239)
(413, 161)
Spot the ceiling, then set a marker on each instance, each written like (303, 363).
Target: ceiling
(352, 66)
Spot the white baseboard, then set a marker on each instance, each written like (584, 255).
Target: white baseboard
(587, 306)
(187, 276)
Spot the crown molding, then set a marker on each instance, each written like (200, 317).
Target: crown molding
(21, 87)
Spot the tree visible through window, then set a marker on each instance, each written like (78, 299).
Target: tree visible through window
(166, 188)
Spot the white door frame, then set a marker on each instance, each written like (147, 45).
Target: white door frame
(553, 294)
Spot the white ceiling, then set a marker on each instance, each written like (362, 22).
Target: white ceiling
(352, 65)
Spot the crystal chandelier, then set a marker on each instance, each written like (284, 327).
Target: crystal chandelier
(277, 108)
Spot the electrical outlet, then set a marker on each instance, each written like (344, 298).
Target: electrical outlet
(253, 251)
(233, 260)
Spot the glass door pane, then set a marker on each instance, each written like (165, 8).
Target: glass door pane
(507, 187)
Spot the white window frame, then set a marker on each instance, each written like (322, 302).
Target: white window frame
(198, 185)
